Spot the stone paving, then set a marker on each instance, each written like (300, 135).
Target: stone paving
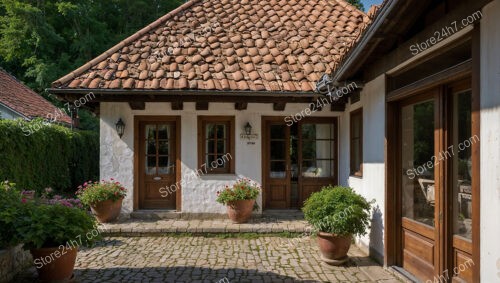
(205, 259)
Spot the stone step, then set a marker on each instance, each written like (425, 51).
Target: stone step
(150, 227)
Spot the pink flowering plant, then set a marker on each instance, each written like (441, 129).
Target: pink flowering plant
(243, 189)
(91, 193)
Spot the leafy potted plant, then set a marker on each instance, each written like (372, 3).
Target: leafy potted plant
(104, 198)
(239, 199)
(337, 213)
(53, 234)
(12, 209)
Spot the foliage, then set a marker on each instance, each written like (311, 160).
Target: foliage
(38, 155)
(55, 225)
(11, 210)
(338, 210)
(243, 189)
(91, 193)
(357, 3)
(41, 41)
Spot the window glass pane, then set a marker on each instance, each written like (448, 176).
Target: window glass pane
(317, 169)
(356, 126)
(324, 131)
(418, 162)
(209, 160)
(210, 147)
(308, 131)
(220, 162)
(151, 147)
(355, 155)
(308, 149)
(164, 131)
(277, 131)
(150, 165)
(221, 131)
(221, 146)
(210, 131)
(278, 150)
(165, 165)
(324, 149)
(151, 132)
(278, 169)
(163, 148)
(462, 165)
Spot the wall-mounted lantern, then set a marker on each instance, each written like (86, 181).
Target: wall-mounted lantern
(120, 127)
(248, 133)
(248, 128)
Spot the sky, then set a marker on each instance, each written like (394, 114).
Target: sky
(369, 3)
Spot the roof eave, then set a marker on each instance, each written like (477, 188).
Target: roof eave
(354, 54)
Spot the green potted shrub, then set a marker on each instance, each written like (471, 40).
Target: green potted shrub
(104, 198)
(239, 199)
(53, 234)
(337, 213)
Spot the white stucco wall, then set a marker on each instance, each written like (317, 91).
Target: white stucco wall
(490, 143)
(199, 195)
(7, 113)
(372, 184)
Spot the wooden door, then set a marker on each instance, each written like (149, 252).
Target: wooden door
(461, 142)
(419, 186)
(276, 145)
(317, 153)
(157, 170)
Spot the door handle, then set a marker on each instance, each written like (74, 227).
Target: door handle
(157, 178)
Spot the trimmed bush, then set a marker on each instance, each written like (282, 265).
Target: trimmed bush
(338, 210)
(36, 155)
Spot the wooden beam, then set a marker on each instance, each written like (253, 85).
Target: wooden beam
(279, 106)
(202, 105)
(177, 105)
(337, 107)
(137, 105)
(241, 105)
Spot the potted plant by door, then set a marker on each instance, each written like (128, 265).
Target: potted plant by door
(53, 234)
(337, 213)
(239, 199)
(104, 198)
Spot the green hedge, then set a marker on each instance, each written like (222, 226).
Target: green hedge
(36, 155)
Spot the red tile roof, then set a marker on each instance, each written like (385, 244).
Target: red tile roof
(25, 101)
(238, 45)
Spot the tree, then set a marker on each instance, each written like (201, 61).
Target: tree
(41, 41)
(357, 3)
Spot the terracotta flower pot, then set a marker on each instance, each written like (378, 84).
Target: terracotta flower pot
(239, 211)
(107, 211)
(54, 264)
(334, 248)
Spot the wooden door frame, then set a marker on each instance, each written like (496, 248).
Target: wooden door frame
(265, 168)
(178, 165)
(392, 238)
(320, 120)
(266, 119)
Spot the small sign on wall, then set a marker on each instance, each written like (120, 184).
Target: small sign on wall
(251, 138)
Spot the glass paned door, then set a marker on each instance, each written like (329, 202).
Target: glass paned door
(157, 165)
(418, 160)
(418, 187)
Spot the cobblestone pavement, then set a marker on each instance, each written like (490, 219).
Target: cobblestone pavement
(201, 259)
